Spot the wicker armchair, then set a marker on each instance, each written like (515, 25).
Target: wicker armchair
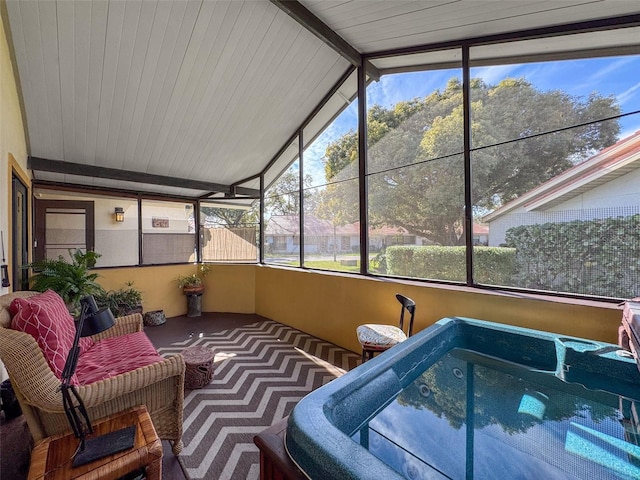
(159, 386)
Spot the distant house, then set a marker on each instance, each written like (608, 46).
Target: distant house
(282, 235)
(604, 186)
(480, 234)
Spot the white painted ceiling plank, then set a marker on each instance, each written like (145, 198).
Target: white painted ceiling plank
(65, 16)
(197, 71)
(478, 22)
(252, 92)
(124, 69)
(81, 51)
(48, 46)
(252, 35)
(374, 11)
(201, 83)
(27, 80)
(293, 52)
(219, 90)
(255, 155)
(180, 27)
(97, 44)
(140, 48)
(216, 87)
(145, 102)
(115, 22)
(326, 6)
(435, 19)
(336, 10)
(165, 35)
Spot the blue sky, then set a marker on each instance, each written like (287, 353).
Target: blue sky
(619, 76)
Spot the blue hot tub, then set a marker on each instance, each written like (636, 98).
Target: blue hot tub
(472, 399)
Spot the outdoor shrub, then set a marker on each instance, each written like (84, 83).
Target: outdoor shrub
(592, 257)
(493, 265)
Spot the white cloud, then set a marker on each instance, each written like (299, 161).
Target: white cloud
(493, 75)
(628, 94)
(611, 67)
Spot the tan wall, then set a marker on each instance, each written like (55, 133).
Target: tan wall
(13, 146)
(228, 288)
(331, 306)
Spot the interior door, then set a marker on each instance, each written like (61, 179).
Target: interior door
(63, 225)
(19, 233)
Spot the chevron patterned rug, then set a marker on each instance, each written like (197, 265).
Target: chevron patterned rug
(261, 371)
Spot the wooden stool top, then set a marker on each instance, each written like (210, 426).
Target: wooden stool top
(197, 355)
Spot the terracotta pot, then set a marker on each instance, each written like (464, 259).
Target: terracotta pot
(194, 289)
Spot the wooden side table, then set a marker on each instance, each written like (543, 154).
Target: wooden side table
(51, 458)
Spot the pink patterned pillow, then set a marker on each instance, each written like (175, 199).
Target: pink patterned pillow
(45, 317)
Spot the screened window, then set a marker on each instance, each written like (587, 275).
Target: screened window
(556, 192)
(66, 228)
(331, 200)
(168, 232)
(282, 213)
(554, 130)
(416, 175)
(229, 232)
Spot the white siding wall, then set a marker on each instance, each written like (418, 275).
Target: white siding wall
(620, 197)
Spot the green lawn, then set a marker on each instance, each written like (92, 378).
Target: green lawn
(331, 265)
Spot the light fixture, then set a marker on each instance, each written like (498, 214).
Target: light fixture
(92, 321)
(119, 214)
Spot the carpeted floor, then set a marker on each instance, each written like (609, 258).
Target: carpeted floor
(262, 368)
(261, 371)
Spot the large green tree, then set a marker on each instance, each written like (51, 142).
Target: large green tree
(283, 197)
(416, 164)
(232, 217)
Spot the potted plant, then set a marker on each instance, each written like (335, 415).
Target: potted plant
(194, 283)
(193, 287)
(71, 280)
(123, 301)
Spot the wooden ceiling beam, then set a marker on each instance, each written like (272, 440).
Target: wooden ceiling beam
(69, 168)
(308, 20)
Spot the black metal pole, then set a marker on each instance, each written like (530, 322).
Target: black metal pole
(362, 169)
(301, 193)
(71, 408)
(468, 207)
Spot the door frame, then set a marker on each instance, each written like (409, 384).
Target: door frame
(17, 256)
(41, 207)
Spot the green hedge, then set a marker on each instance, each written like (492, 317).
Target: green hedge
(492, 265)
(592, 257)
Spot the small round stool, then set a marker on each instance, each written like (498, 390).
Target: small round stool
(198, 366)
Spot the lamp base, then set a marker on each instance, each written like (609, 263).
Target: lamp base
(105, 445)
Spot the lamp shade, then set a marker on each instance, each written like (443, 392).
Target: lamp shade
(96, 320)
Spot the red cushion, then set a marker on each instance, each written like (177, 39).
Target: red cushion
(115, 355)
(45, 317)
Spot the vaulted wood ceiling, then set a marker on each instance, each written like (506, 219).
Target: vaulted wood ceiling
(189, 97)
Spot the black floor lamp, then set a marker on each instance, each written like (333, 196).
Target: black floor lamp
(92, 321)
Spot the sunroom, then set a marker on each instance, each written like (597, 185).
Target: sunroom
(481, 158)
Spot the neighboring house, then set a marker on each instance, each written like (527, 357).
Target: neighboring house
(480, 234)
(282, 235)
(604, 186)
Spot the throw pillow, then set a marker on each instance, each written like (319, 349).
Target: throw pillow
(45, 317)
